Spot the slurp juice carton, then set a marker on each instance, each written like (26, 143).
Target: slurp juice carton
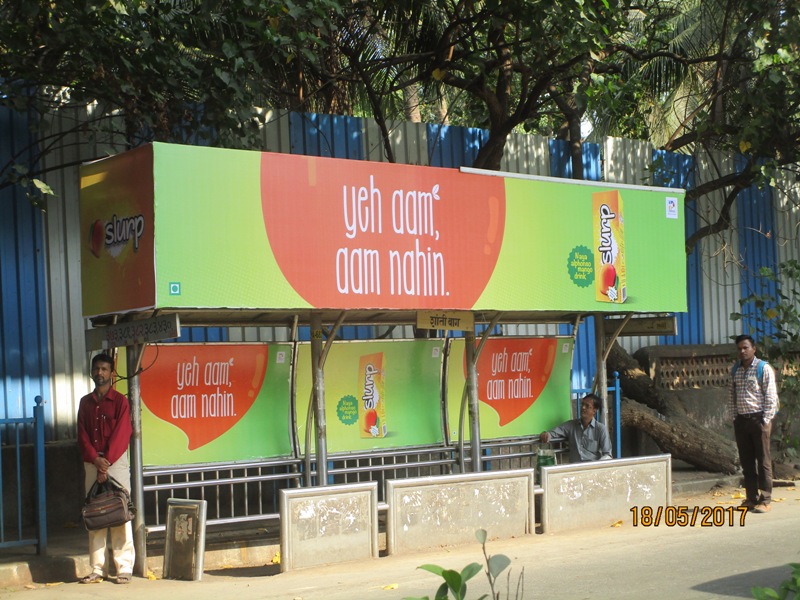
(609, 247)
(372, 402)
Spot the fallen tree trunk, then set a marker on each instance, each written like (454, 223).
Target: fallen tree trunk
(682, 437)
(665, 419)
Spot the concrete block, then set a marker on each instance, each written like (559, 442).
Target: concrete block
(597, 494)
(428, 512)
(327, 525)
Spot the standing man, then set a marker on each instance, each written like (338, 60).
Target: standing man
(104, 434)
(588, 438)
(753, 402)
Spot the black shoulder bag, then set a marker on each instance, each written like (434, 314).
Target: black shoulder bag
(107, 504)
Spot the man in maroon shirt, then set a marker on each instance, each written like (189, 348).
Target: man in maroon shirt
(104, 434)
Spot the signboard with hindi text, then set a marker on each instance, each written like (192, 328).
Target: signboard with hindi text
(452, 320)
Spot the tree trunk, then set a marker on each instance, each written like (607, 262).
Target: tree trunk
(665, 420)
(682, 437)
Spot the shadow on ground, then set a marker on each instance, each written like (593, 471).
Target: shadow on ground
(740, 586)
(262, 571)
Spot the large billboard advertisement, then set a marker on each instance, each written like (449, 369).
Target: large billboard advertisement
(210, 403)
(215, 402)
(257, 230)
(378, 395)
(523, 386)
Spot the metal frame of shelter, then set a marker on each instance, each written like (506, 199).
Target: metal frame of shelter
(321, 343)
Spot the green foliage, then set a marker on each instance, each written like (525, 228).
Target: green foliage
(788, 590)
(455, 582)
(167, 70)
(774, 322)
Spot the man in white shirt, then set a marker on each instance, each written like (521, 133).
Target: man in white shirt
(588, 438)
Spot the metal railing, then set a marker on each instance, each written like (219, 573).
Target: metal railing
(235, 493)
(15, 530)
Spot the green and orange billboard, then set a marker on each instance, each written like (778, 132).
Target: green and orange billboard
(172, 226)
(210, 403)
(215, 402)
(523, 386)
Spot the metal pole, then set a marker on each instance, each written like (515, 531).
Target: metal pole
(41, 492)
(137, 479)
(472, 393)
(601, 379)
(319, 397)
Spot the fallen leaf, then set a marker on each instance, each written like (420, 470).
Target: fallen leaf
(53, 584)
(391, 586)
(276, 560)
(151, 576)
(738, 496)
(30, 586)
(778, 499)
(617, 524)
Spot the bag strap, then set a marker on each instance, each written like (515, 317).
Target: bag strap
(114, 483)
(109, 483)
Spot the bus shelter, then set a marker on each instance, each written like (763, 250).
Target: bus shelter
(184, 235)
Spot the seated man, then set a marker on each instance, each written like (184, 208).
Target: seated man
(588, 439)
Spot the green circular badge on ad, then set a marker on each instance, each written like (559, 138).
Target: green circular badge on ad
(580, 265)
(347, 410)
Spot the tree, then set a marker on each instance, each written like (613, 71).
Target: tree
(711, 76)
(171, 70)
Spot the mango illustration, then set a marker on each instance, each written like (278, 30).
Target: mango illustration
(608, 278)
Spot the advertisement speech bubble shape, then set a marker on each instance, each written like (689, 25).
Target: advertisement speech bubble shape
(360, 234)
(512, 374)
(203, 390)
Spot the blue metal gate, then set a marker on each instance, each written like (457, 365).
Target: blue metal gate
(12, 525)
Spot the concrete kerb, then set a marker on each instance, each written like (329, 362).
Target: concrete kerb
(67, 558)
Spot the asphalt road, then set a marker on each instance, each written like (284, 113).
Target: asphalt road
(683, 562)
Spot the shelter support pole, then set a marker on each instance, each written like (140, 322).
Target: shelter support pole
(472, 397)
(601, 378)
(319, 397)
(134, 353)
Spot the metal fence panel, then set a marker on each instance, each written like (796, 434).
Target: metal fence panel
(24, 352)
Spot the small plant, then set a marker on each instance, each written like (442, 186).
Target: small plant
(789, 589)
(455, 583)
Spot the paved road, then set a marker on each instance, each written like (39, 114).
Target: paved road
(617, 562)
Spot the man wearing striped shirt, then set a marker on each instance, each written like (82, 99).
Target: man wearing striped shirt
(753, 402)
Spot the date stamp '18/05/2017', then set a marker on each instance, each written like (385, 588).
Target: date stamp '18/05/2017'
(689, 516)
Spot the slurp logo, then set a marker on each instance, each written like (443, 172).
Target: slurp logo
(513, 373)
(359, 234)
(115, 234)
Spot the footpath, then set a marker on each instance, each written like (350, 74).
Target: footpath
(722, 560)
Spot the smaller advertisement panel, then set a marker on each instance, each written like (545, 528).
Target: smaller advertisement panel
(378, 395)
(523, 386)
(215, 402)
(117, 223)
